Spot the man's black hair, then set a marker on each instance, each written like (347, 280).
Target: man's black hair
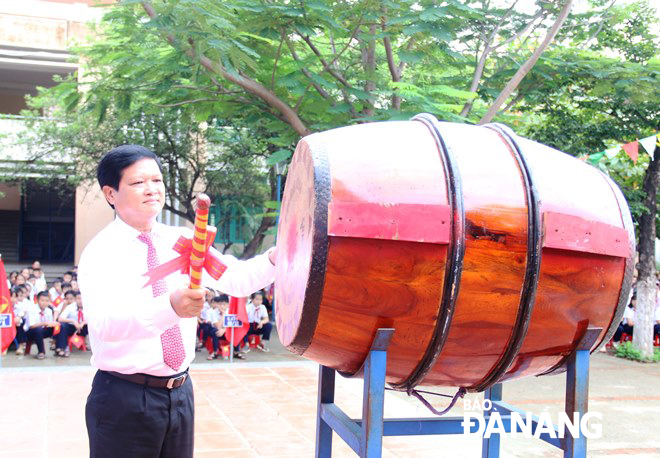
(43, 294)
(66, 284)
(70, 292)
(115, 161)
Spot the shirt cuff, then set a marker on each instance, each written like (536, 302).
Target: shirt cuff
(268, 252)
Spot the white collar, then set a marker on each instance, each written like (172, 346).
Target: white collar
(128, 231)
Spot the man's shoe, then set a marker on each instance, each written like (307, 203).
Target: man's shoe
(263, 347)
(20, 351)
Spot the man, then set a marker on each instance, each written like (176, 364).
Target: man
(143, 338)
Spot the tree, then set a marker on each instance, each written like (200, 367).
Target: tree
(221, 160)
(283, 69)
(272, 67)
(581, 102)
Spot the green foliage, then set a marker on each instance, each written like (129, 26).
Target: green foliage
(262, 74)
(583, 103)
(628, 351)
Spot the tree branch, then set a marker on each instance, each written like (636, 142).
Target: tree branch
(247, 84)
(306, 72)
(600, 26)
(481, 64)
(327, 67)
(539, 14)
(300, 99)
(409, 46)
(527, 66)
(369, 65)
(185, 102)
(277, 57)
(394, 71)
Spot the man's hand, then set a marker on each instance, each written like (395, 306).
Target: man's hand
(186, 302)
(272, 255)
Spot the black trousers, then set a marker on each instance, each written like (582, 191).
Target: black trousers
(264, 332)
(128, 420)
(66, 331)
(21, 335)
(37, 335)
(621, 329)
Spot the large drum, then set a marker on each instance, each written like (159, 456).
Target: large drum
(489, 254)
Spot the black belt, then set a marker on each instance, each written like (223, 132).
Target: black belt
(155, 382)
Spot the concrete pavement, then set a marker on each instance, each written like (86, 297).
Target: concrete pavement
(265, 407)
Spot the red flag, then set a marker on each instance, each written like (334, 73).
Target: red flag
(77, 341)
(7, 335)
(237, 306)
(632, 149)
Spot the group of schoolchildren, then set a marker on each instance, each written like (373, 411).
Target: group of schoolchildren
(211, 325)
(41, 313)
(57, 313)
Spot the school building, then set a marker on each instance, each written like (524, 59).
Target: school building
(42, 217)
(49, 221)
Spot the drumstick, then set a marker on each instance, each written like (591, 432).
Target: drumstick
(199, 241)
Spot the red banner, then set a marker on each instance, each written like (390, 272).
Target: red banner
(7, 335)
(238, 307)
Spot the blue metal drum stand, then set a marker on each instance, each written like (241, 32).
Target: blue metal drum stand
(365, 436)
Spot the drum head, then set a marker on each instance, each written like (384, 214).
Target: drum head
(302, 246)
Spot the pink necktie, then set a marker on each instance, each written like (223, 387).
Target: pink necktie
(173, 351)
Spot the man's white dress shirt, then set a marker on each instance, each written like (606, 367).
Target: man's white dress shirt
(124, 320)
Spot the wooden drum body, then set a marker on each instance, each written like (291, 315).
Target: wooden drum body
(489, 254)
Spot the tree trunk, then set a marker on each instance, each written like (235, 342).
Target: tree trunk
(646, 290)
(527, 66)
(254, 244)
(369, 64)
(267, 222)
